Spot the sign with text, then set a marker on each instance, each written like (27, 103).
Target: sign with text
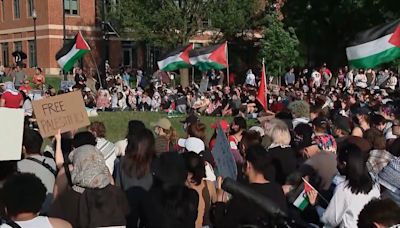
(226, 165)
(11, 133)
(66, 112)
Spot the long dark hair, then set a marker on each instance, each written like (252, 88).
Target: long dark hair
(139, 154)
(355, 169)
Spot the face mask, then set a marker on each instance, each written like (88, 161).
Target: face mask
(270, 101)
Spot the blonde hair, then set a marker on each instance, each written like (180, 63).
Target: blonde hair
(280, 133)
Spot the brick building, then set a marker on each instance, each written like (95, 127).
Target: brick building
(17, 33)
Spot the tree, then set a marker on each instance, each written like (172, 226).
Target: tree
(162, 23)
(235, 17)
(279, 47)
(326, 27)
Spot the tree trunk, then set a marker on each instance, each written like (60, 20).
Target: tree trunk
(184, 73)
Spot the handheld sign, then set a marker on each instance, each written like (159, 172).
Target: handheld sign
(11, 133)
(66, 112)
(223, 156)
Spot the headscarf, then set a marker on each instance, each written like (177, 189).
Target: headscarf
(9, 87)
(90, 170)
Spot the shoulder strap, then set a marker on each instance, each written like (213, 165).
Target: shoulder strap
(10, 223)
(44, 164)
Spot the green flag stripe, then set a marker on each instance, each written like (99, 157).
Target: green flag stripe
(70, 63)
(374, 60)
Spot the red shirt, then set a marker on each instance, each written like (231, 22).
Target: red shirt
(25, 88)
(12, 101)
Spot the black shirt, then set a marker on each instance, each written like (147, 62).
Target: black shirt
(240, 211)
(284, 162)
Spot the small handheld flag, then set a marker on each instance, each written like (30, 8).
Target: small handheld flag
(262, 90)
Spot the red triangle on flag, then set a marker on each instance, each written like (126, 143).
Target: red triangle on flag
(395, 38)
(185, 53)
(219, 55)
(262, 91)
(81, 43)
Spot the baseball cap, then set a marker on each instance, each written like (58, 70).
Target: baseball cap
(342, 123)
(224, 124)
(164, 123)
(192, 144)
(320, 122)
(258, 129)
(362, 111)
(191, 119)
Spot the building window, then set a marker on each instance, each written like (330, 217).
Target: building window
(18, 46)
(4, 54)
(17, 12)
(30, 7)
(32, 56)
(2, 10)
(71, 7)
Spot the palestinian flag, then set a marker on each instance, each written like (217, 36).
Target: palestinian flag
(175, 60)
(375, 46)
(211, 57)
(72, 52)
(301, 202)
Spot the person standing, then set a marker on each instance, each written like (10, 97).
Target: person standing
(290, 78)
(361, 79)
(2, 72)
(316, 79)
(39, 79)
(250, 78)
(80, 79)
(326, 75)
(19, 77)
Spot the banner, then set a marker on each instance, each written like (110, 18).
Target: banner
(223, 157)
(66, 112)
(11, 133)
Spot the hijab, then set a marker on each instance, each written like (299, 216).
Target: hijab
(9, 87)
(90, 170)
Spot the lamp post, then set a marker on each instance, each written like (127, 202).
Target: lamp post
(34, 16)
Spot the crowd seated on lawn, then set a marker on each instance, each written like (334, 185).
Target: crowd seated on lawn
(340, 145)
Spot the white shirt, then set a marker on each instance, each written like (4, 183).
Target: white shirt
(251, 79)
(316, 78)
(120, 147)
(39, 221)
(392, 82)
(349, 79)
(107, 148)
(345, 206)
(361, 80)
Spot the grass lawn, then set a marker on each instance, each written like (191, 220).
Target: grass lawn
(117, 122)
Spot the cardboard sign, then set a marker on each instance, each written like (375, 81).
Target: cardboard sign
(66, 112)
(11, 133)
(223, 157)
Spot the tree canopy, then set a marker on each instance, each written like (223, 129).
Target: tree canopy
(279, 47)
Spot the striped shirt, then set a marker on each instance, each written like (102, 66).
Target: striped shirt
(107, 148)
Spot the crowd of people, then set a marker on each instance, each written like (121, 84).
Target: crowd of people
(325, 153)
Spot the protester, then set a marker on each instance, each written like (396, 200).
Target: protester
(135, 127)
(39, 79)
(379, 213)
(34, 162)
(204, 188)
(92, 201)
(240, 211)
(134, 168)
(23, 195)
(351, 195)
(107, 148)
(166, 137)
(11, 98)
(168, 203)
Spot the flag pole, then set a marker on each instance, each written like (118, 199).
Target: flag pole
(193, 68)
(227, 60)
(97, 70)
